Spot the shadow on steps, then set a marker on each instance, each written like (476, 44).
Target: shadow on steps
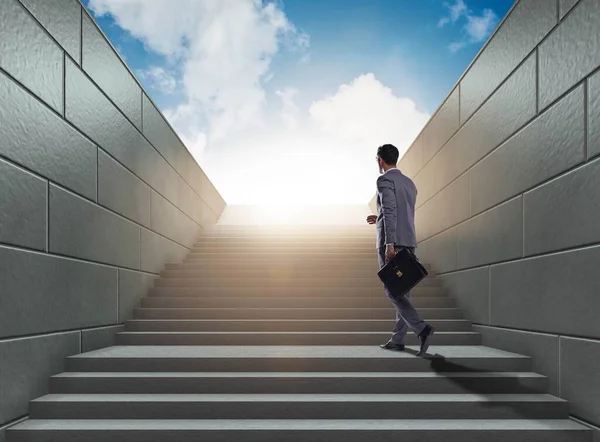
(528, 410)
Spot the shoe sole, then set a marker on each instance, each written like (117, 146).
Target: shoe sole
(425, 346)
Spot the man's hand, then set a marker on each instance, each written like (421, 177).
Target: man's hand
(372, 219)
(390, 251)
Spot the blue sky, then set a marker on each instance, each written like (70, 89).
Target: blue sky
(264, 82)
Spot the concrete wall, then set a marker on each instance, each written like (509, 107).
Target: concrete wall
(508, 172)
(97, 193)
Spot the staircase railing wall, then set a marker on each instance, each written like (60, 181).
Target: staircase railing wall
(97, 193)
(508, 175)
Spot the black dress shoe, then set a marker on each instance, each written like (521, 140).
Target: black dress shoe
(424, 337)
(389, 345)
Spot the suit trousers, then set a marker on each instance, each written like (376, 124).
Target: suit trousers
(406, 315)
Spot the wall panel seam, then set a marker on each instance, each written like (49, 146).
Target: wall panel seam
(585, 119)
(11, 423)
(91, 201)
(56, 332)
(145, 138)
(558, 366)
(537, 81)
(71, 258)
(500, 145)
(586, 423)
(47, 216)
(143, 91)
(499, 327)
(490, 294)
(460, 79)
(499, 86)
(81, 35)
(539, 255)
(64, 86)
(71, 126)
(523, 225)
(478, 109)
(40, 25)
(119, 294)
(118, 215)
(539, 332)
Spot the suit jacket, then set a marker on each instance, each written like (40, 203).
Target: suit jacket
(396, 197)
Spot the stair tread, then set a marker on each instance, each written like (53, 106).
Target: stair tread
(267, 351)
(303, 374)
(286, 320)
(245, 333)
(304, 425)
(287, 298)
(432, 397)
(285, 308)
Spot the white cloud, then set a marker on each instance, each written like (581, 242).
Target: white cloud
(477, 27)
(456, 10)
(339, 134)
(159, 79)
(366, 114)
(290, 110)
(225, 49)
(457, 46)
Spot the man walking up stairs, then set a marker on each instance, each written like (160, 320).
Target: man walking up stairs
(273, 335)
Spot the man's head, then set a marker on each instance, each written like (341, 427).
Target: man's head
(387, 156)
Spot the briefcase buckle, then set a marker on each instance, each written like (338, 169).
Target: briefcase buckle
(398, 272)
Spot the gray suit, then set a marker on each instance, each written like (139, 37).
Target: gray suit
(396, 196)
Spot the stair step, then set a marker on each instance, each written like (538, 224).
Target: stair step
(329, 258)
(288, 254)
(285, 338)
(289, 302)
(306, 264)
(301, 243)
(318, 266)
(295, 358)
(313, 292)
(290, 247)
(299, 383)
(298, 406)
(281, 282)
(290, 325)
(286, 313)
(290, 272)
(296, 430)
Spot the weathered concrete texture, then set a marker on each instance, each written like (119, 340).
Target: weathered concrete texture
(542, 348)
(102, 64)
(25, 366)
(570, 53)
(62, 21)
(42, 293)
(97, 338)
(23, 206)
(30, 55)
(524, 28)
(580, 377)
(35, 137)
(79, 228)
(546, 288)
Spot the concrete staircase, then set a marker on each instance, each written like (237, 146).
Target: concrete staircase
(271, 334)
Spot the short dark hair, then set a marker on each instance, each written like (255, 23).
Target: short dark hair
(388, 153)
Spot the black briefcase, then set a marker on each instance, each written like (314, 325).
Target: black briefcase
(402, 273)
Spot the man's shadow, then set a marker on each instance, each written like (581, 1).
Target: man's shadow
(511, 384)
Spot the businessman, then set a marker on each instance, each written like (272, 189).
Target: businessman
(396, 195)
